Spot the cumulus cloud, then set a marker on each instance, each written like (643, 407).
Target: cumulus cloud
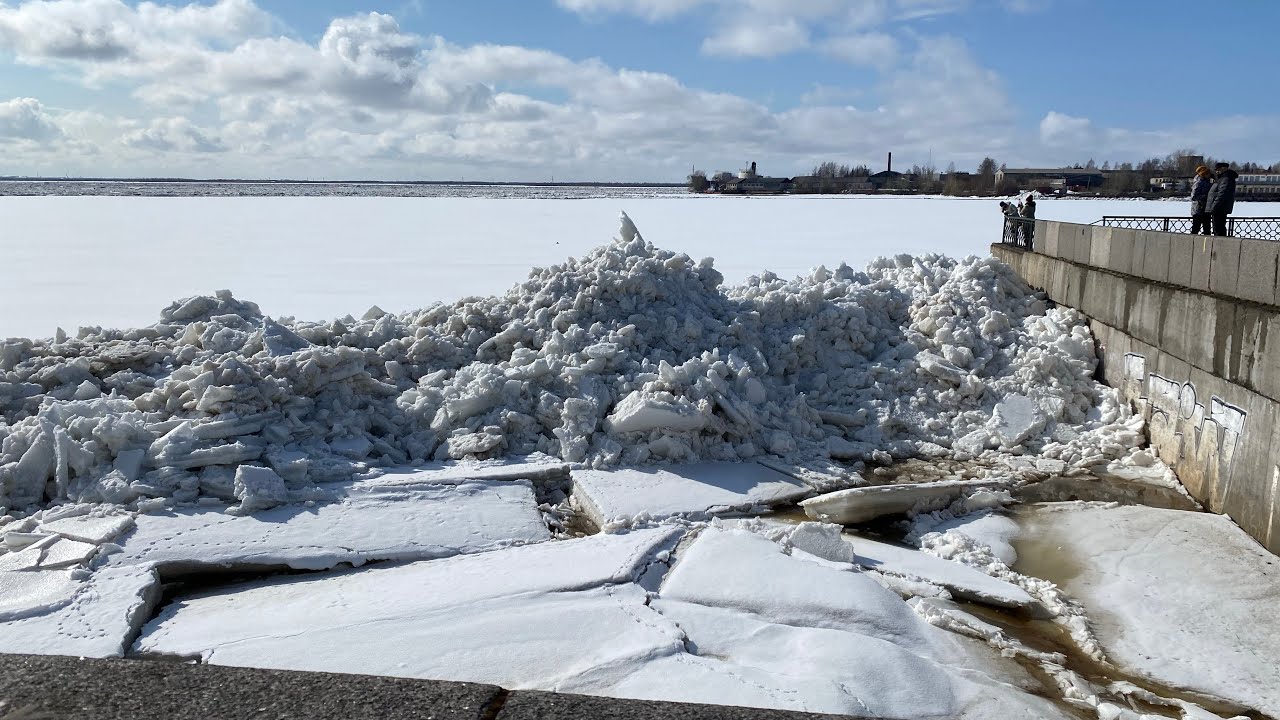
(26, 119)
(1061, 129)
(174, 134)
(42, 32)
(769, 39)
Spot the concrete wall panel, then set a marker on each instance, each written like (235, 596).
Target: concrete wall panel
(1155, 260)
(1180, 260)
(1259, 267)
(1121, 247)
(1047, 238)
(1201, 257)
(1100, 247)
(1224, 272)
(1139, 252)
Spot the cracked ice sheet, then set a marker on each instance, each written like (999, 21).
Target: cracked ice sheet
(960, 579)
(518, 468)
(370, 522)
(494, 617)
(822, 670)
(774, 631)
(99, 617)
(1186, 598)
(694, 491)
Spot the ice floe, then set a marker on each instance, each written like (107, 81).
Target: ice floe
(368, 521)
(1185, 598)
(617, 498)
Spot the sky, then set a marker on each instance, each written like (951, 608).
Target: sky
(624, 90)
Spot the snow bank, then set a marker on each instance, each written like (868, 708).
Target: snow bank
(630, 354)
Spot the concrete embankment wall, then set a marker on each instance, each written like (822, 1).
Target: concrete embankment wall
(1188, 329)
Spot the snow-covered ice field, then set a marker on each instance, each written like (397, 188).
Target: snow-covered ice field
(115, 261)
(587, 482)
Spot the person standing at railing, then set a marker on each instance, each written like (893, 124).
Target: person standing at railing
(1222, 197)
(1199, 196)
(1028, 222)
(1010, 222)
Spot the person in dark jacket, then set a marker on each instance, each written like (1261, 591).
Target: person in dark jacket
(1199, 195)
(1028, 220)
(1222, 197)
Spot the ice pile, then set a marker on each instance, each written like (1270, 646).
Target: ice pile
(631, 355)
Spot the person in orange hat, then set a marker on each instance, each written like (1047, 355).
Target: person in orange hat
(1199, 194)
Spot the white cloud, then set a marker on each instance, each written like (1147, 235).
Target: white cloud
(1061, 129)
(26, 119)
(652, 10)
(769, 38)
(174, 134)
(873, 49)
(100, 31)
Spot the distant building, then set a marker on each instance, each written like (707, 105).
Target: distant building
(842, 184)
(1055, 178)
(749, 181)
(889, 179)
(1170, 184)
(1258, 184)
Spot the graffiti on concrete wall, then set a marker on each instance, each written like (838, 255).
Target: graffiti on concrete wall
(1198, 439)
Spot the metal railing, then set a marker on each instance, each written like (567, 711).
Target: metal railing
(1257, 228)
(1019, 232)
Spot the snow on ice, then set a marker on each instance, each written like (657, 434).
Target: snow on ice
(813, 638)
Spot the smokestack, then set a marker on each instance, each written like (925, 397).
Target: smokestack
(890, 168)
(753, 167)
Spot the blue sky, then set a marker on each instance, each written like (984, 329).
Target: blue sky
(624, 89)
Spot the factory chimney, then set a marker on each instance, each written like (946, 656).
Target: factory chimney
(890, 168)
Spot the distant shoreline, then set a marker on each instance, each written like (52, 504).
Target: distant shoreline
(243, 181)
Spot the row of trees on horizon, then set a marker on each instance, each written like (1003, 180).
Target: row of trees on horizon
(1121, 178)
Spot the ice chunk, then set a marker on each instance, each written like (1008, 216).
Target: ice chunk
(66, 553)
(94, 618)
(822, 540)
(961, 580)
(1016, 418)
(368, 522)
(640, 412)
(323, 623)
(27, 593)
(259, 488)
(724, 568)
(860, 504)
(940, 368)
(96, 530)
(695, 491)
(537, 469)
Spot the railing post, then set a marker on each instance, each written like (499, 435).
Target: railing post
(1166, 224)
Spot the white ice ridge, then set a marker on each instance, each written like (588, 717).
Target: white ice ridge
(628, 355)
